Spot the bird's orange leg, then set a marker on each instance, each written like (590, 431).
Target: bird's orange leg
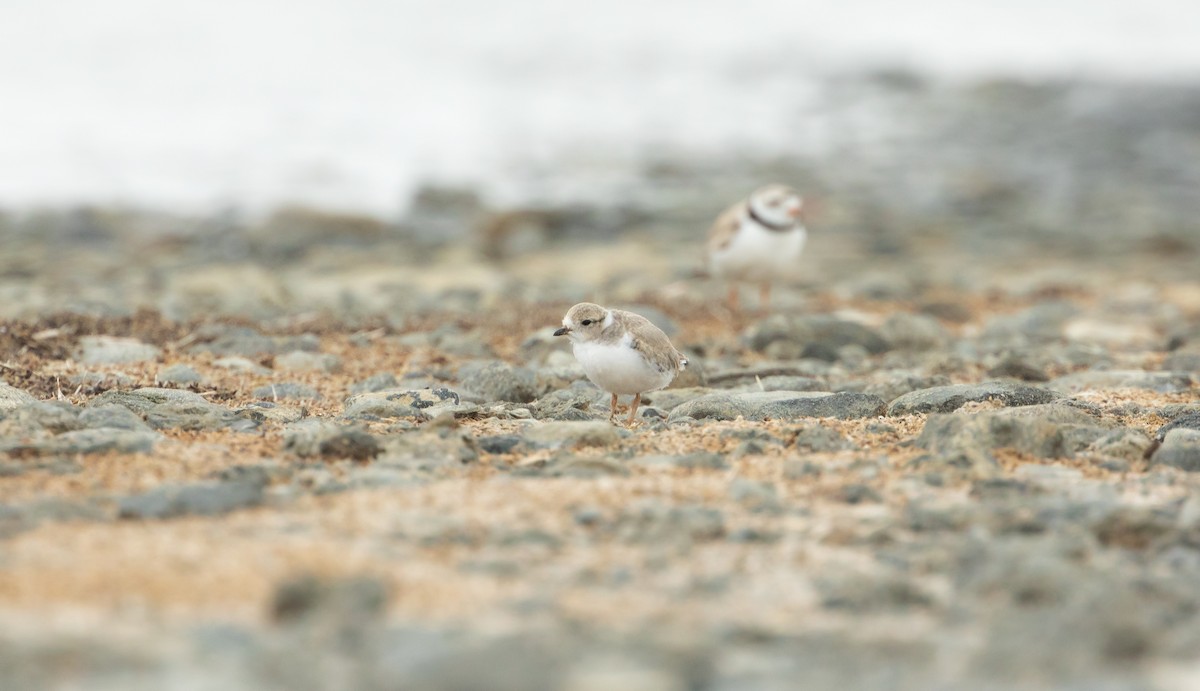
(637, 400)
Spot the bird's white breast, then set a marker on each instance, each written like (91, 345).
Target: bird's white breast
(757, 253)
(618, 368)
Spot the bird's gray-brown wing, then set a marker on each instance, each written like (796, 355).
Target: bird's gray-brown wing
(650, 341)
(725, 227)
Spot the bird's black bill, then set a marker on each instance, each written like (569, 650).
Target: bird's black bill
(562, 332)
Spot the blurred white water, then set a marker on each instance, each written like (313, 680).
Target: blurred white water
(349, 104)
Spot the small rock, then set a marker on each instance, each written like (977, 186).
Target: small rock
(463, 344)
(432, 448)
(1184, 421)
(398, 403)
(52, 416)
(914, 332)
(1183, 361)
(313, 437)
(1047, 476)
(113, 350)
(798, 469)
(305, 361)
(1013, 367)
(779, 405)
(804, 371)
(1038, 324)
(197, 417)
(351, 443)
(1180, 449)
(845, 406)
(1125, 444)
(207, 499)
(890, 385)
(861, 592)
(588, 515)
(286, 391)
(585, 467)
(12, 397)
(142, 401)
(786, 383)
(1106, 380)
(858, 493)
(101, 380)
(262, 411)
(601, 672)
(91, 441)
(499, 381)
(556, 435)
(500, 443)
(755, 496)
(240, 364)
(225, 340)
(577, 403)
(943, 399)
(376, 382)
(179, 374)
(349, 602)
(948, 311)
(657, 524)
(818, 336)
(1110, 333)
(1045, 431)
(1133, 527)
(698, 459)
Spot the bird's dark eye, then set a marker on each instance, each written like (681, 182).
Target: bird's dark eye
(586, 322)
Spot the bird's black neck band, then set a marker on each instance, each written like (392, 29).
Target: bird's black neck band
(777, 227)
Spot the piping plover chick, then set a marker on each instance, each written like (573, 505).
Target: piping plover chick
(758, 239)
(621, 352)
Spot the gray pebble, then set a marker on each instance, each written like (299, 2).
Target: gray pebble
(1184, 421)
(206, 499)
(287, 391)
(906, 331)
(402, 403)
(112, 416)
(498, 381)
(755, 495)
(12, 397)
(113, 350)
(1092, 380)
(1045, 431)
(556, 435)
(699, 459)
(1180, 449)
(240, 364)
(306, 361)
(179, 374)
(779, 405)
(227, 340)
(93, 441)
(943, 399)
(816, 336)
(376, 382)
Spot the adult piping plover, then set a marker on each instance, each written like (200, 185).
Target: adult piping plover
(621, 352)
(758, 239)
